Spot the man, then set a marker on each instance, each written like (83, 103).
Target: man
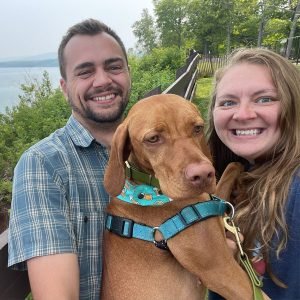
(59, 201)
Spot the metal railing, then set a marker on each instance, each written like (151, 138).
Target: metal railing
(186, 78)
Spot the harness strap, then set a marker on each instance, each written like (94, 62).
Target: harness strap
(186, 217)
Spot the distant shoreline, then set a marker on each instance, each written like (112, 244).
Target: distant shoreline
(29, 64)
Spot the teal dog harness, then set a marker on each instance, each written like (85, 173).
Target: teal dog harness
(188, 216)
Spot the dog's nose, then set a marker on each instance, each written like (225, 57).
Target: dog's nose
(200, 174)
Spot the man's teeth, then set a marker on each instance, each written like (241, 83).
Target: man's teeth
(247, 132)
(107, 97)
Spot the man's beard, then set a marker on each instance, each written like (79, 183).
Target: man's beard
(100, 117)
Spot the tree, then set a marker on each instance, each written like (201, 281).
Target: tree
(293, 29)
(217, 27)
(203, 25)
(171, 21)
(262, 22)
(145, 32)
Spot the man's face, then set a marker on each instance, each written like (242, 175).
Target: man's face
(97, 80)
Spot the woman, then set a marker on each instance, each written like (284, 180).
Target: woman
(254, 118)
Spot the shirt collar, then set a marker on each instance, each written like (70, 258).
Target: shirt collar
(78, 133)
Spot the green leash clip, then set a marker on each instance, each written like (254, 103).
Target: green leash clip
(255, 281)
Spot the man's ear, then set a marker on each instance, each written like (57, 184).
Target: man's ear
(63, 86)
(129, 72)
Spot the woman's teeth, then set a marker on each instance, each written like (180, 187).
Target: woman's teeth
(247, 132)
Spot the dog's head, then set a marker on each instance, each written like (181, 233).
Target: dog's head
(163, 136)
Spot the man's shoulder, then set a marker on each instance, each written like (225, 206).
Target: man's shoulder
(63, 140)
(55, 142)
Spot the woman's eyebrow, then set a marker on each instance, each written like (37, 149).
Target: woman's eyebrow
(263, 91)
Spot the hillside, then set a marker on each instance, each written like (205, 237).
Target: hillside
(29, 63)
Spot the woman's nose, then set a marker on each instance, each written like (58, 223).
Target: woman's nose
(244, 112)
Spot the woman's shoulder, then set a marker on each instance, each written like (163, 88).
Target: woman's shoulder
(293, 203)
(295, 184)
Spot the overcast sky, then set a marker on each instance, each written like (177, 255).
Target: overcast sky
(32, 27)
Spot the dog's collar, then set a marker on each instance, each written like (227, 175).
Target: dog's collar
(134, 174)
(142, 194)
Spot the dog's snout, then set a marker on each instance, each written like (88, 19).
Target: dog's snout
(200, 174)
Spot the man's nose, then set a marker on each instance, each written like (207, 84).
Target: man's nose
(102, 78)
(244, 112)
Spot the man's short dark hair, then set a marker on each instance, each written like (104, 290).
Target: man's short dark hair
(86, 27)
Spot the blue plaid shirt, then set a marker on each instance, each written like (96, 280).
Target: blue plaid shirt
(59, 203)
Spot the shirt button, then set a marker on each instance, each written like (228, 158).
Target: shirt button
(85, 219)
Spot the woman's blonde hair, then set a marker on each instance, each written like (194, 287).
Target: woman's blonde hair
(261, 211)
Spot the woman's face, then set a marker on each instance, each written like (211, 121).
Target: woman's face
(247, 110)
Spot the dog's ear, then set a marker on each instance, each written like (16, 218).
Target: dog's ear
(228, 180)
(114, 177)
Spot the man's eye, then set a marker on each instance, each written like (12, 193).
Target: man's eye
(265, 100)
(115, 69)
(84, 73)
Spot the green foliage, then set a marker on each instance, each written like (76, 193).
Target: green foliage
(161, 59)
(171, 19)
(5, 191)
(41, 110)
(145, 32)
(155, 69)
(217, 27)
(275, 31)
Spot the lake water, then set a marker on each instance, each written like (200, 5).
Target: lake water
(12, 78)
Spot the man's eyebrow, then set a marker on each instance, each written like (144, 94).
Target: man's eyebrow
(113, 60)
(106, 62)
(83, 65)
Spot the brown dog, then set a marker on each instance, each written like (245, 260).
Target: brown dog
(163, 136)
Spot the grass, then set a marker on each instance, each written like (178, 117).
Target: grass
(202, 95)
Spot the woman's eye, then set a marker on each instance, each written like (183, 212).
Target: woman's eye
(264, 100)
(227, 103)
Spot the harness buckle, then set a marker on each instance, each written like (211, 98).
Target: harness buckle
(121, 226)
(162, 244)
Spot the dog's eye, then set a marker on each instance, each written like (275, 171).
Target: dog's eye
(198, 129)
(153, 139)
